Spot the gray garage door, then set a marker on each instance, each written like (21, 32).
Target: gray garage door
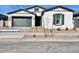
(76, 23)
(22, 22)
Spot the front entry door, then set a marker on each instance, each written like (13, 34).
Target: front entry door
(38, 21)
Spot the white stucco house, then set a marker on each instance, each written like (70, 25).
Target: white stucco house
(53, 18)
(3, 20)
(58, 17)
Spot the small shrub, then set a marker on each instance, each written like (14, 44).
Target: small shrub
(67, 29)
(58, 29)
(34, 35)
(74, 28)
(77, 36)
(45, 35)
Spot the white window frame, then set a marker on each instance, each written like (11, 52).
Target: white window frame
(60, 20)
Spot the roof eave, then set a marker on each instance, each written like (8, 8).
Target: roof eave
(20, 10)
(34, 7)
(60, 7)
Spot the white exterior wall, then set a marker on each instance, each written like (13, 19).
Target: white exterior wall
(37, 13)
(48, 20)
(21, 13)
(9, 21)
(1, 23)
(33, 9)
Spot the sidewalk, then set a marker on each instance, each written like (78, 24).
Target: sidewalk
(52, 39)
(42, 39)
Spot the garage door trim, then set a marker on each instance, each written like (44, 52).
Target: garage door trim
(20, 17)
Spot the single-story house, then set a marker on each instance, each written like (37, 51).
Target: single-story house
(58, 17)
(3, 20)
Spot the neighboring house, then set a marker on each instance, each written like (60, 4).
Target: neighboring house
(76, 20)
(58, 17)
(3, 21)
(29, 17)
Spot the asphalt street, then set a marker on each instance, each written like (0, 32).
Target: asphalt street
(39, 47)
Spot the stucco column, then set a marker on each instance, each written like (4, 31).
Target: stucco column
(42, 21)
(33, 21)
(9, 21)
(1, 23)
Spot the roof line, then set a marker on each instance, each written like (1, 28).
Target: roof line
(35, 6)
(60, 7)
(20, 10)
(14, 11)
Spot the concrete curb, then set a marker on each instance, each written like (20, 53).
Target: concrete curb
(40, 40)
(51, 40)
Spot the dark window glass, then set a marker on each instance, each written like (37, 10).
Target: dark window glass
(58, 19)
(36, 9)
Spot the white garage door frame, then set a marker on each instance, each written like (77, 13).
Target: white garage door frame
(1, 23)
(21, 17)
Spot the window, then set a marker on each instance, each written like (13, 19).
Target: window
(36, 9)
(58, 19)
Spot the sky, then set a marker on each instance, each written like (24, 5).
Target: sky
(4, 9)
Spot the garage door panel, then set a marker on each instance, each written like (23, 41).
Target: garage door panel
(22, 22)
